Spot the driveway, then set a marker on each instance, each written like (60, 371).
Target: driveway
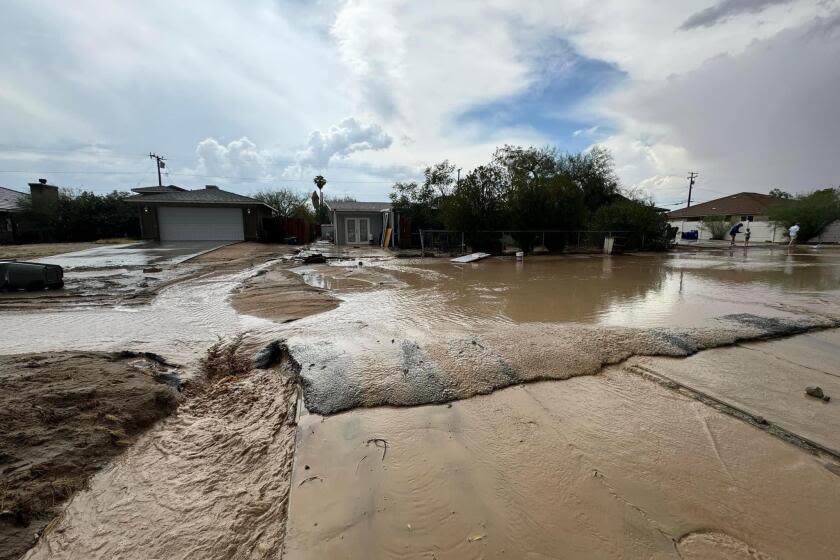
(134, 254)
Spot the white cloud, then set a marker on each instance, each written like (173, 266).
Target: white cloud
(239, 158)
(341, 140)
(743, 93)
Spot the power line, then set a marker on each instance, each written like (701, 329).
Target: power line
(196, 175)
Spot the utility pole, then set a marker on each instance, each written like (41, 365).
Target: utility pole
(458, 182)
(691, 176)
(159, 160)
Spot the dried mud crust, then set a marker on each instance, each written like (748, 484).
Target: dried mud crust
(64, 416)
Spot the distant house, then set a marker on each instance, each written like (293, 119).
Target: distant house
(750, 208)
(10, 201)
(170, 213)
(361, 223)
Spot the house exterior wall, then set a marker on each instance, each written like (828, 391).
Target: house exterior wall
(341, 226)
(831, 234)
(761, 229)
(252, 221)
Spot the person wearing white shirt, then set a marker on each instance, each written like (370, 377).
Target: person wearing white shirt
(793, 231)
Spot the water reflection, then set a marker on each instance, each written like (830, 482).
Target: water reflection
(627, 290)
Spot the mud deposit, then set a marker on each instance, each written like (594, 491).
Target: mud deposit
(64, 416)
(281, 296)
(402, 372)
(611, 466)
(437, 332)
(210, 482)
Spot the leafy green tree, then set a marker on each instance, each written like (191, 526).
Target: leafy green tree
(594, 172)
(779, 193)
(812, 211)
(420, 202)
(81, 216)
(478, 202)
(646, 226)
(288, 203)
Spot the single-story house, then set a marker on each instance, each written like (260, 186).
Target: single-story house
(747, 207)
(362, 223)
(170, 213)
(10, 201)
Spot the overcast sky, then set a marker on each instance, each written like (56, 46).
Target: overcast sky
(261, 94)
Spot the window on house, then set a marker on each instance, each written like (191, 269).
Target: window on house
(746, 218)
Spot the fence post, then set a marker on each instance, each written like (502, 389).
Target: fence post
(422, 247)
(463, 247)
(578, 244)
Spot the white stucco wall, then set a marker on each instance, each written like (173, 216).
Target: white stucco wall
(761, 230)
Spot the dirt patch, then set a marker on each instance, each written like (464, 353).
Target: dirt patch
(210, 482)
(282, 296)
(38, 250)
(64, 416)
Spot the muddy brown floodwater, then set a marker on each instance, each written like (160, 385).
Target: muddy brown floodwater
(612, 466)
(210, 482)
(433, 332)
(63, 417)
(608, 460)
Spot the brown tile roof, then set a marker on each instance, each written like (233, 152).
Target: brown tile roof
(198, 196)
(736, 204)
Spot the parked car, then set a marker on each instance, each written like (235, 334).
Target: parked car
(16, 275)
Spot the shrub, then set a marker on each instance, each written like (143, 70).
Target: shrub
(813, 211)
(717, 225)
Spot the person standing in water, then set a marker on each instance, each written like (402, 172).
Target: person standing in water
(747, 237)
(736, 229)
(793, 231)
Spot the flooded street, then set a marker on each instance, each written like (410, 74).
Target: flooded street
(574, 406)
(611, 466)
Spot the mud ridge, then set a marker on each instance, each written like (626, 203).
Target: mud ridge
(336, 379)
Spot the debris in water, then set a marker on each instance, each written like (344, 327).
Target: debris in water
(266, 357)
(152, 270)
(380, 443)
(814, 391)
(305, 480)
(475, 538)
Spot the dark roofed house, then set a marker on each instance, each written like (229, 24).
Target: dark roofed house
(10, 201)
(747, 207)
(361, 223)
(170, 213)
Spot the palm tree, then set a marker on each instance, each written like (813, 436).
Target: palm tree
(320, 182)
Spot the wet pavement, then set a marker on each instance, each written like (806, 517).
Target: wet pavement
(611, 466)
(133, 255)
(768, 380)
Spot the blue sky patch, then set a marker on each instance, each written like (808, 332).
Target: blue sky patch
(562, 79)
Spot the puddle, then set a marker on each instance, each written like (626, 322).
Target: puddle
(595, 467)
(435, 331)
(180, 323)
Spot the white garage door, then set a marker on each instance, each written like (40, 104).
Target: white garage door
(180, 223)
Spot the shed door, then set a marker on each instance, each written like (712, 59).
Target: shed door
(184, 223)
